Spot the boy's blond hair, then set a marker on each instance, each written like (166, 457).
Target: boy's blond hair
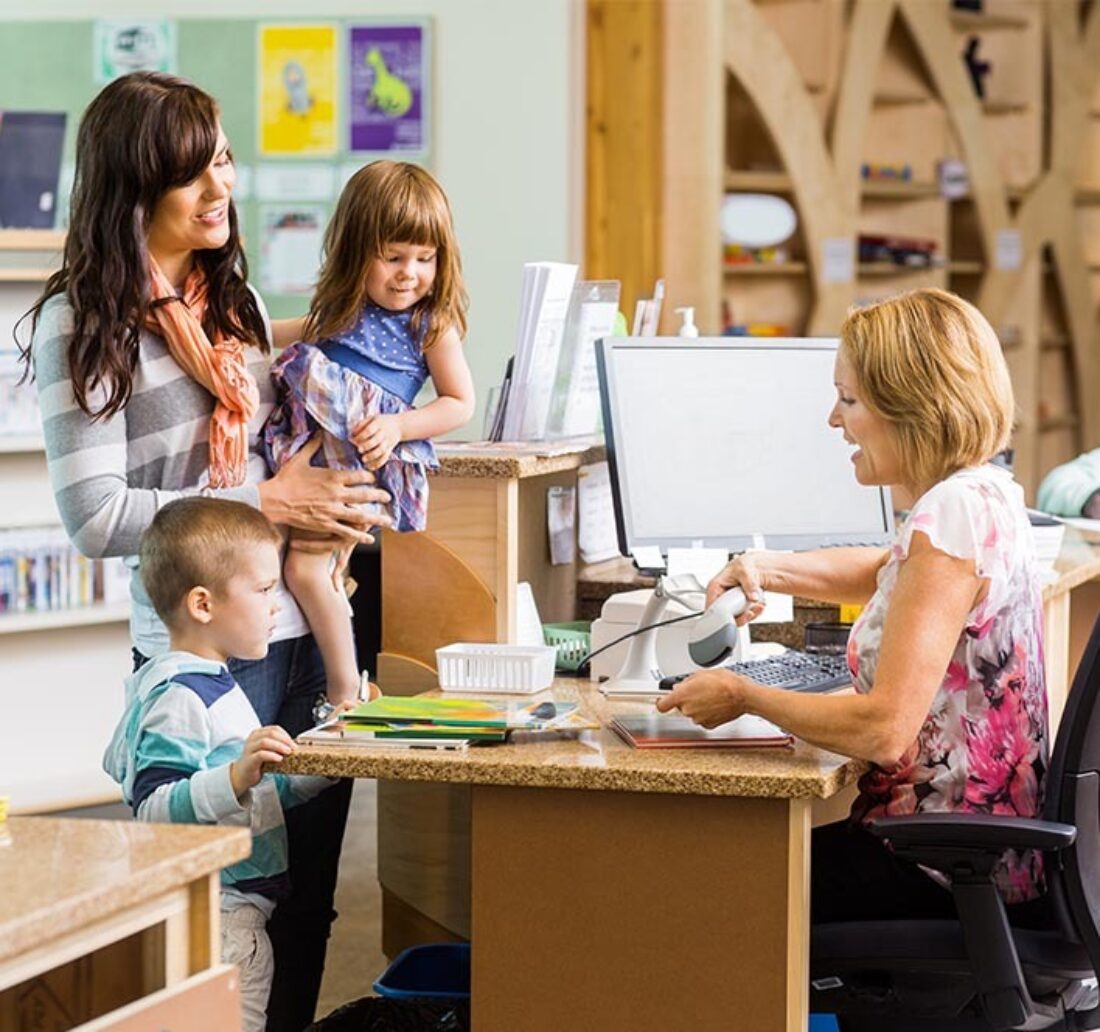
(930, 363)
(196, 542)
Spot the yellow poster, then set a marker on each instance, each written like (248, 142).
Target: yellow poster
(297, 89)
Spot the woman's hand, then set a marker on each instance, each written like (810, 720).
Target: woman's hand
(710, 697)
(285, 332)
(328, 501)
(743, 572)
(376, 437)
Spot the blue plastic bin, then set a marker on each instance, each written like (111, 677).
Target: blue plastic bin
(823, 1023)
(438, 971)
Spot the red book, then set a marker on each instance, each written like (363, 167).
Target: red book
(672, 731)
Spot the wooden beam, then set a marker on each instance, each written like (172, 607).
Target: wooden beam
(623, 145)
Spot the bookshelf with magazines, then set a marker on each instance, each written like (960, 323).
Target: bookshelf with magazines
(64, 639)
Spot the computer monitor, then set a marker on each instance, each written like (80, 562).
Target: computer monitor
(724, 442)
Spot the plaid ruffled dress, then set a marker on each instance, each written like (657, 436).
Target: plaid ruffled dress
(376, 367)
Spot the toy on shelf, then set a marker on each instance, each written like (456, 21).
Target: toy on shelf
(735, 254)
(911, 252)
(756, 329)
(883, 172)
(976, 67)
(731, 328)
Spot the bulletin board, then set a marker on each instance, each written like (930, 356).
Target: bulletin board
(48, 66)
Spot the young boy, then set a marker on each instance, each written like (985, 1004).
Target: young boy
(189, 748)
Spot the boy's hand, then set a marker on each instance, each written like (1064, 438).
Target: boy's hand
(376, 437)
(264, 745)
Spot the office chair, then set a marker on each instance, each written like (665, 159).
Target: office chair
(979, 972)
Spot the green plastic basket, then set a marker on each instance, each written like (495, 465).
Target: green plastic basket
(572, 640)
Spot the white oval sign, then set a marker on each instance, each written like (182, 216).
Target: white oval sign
(757, 220)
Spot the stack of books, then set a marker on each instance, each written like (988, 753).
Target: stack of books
(40, 571)
(432, 723)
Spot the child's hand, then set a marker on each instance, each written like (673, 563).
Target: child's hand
(376, 437)
(264, 745)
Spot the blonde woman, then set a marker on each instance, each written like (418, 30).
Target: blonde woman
(950, 704)
(389, 312)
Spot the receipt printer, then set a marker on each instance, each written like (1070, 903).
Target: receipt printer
(620, 615)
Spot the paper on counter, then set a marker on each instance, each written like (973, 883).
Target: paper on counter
(705, 563)
(561, 520)
(528, 623)
(597, 538)
(648, 557)
(1081, 523)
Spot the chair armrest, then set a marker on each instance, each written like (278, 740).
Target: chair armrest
(970, 833)
(967, 847)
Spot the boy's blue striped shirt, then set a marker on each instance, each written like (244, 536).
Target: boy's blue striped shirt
(184, 723)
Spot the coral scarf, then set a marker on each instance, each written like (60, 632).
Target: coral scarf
(219, 366)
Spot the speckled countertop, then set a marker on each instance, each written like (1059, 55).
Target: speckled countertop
(489, 460)
(597, 760)
(59, 874)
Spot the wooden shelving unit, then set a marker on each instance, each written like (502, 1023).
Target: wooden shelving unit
(58, 619)
(793, 98)
(79, 656)
(29, 255)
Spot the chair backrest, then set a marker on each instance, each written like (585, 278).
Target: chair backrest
(1073, 797)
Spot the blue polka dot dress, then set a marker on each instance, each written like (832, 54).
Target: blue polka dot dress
(376, 367)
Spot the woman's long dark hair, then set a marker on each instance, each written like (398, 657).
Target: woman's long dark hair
(143, 135)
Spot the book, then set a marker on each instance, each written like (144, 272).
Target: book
(465, 716)
(336, 733)
(672, 731)
(547, 288)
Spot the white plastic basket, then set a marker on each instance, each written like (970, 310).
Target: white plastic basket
(516, 669)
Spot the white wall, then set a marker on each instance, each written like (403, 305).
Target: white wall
(509, 109)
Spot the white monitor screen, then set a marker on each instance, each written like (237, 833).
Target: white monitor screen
(723, 441)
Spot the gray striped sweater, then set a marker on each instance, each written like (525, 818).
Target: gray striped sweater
(110, 476)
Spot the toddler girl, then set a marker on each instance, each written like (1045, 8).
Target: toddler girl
(389, 311)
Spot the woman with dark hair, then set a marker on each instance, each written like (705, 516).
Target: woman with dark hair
(151, 356)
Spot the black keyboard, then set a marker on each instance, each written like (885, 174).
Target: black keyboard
(795, 671)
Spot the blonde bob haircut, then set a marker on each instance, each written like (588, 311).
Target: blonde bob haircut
(929, 363)
(385, 203)
(195, 542)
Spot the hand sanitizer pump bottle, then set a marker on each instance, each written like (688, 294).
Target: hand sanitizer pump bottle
(688, 327)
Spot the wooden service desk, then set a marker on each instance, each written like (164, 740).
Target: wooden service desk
(95, 914)
(622, 889)
(1071, 602)
(457, 581)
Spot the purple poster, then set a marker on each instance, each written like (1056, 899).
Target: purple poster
(388, 87)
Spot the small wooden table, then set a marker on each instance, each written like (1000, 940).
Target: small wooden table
(94, 914)
(638, 889)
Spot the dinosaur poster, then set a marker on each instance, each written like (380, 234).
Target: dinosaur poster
(297, 90)
(388, 88)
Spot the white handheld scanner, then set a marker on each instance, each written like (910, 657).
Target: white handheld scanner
(714, 636)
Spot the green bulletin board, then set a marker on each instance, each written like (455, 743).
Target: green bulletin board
(47, 66)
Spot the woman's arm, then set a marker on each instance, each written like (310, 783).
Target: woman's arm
(378, 435)
(285, 332)
(928, 609)
(88, 458)
(88, 461)
(838, 575)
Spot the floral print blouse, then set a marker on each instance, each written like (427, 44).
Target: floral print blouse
(983, 745)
